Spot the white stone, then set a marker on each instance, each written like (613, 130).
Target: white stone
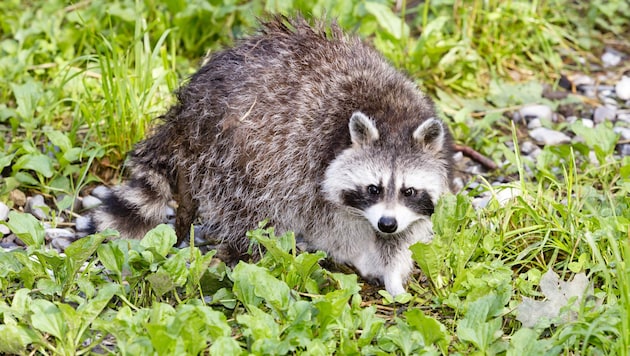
(34, 206)
(4, 230)
(528, 147)
(588, 123)
(623, 131)
(55, 233)
(603, 113)
(622, 89)
(549, 137)
(536, 112)
(534, 124)
(610, 59)
(4, 211)
(507, 194)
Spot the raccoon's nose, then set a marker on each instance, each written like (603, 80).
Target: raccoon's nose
(387, 224)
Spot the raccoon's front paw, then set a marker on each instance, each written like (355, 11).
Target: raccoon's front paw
(394, 285)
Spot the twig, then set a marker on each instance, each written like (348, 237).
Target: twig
(476, 156)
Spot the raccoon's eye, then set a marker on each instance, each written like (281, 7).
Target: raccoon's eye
(374, 190)
(409, 192)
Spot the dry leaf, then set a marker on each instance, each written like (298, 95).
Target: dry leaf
(557, 293)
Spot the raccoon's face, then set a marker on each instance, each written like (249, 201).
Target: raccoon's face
(391, 190)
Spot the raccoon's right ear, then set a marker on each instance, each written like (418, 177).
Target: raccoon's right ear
(430, 135)
(362, 130)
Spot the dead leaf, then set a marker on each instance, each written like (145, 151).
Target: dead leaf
(558, 294)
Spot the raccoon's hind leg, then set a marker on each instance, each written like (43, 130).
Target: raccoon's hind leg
(186, 209)
(136, 206)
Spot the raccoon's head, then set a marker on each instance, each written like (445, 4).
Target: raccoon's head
(392, 182)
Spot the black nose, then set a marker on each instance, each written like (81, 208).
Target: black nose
(387, 224)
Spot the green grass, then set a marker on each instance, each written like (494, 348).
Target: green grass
(81, 83)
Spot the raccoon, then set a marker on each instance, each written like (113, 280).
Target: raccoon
(303, 126)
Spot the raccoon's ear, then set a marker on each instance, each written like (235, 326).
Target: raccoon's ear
(362, 130)
(430, 135)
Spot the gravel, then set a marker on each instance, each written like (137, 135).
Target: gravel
(549, 137)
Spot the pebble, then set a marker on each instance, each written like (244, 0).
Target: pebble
(4, 211)
(101, 192)
(17, 197)
(624, 117)
(507, 194)
(90, 202)
(528, 147)
(534, 124)
(624, 149)
(603, 113)
(622, 88)
(582, 79)
(57, 233)
(610, 59)
(60, 244)
(541, 112)
(35, 205)
(549, 137)
(4, 230)
(623, 131)
(588, 123)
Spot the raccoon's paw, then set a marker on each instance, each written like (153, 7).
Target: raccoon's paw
(394, 284)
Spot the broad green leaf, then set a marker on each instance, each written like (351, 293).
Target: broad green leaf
(393, 24)
(111, 257)
(5, 159)
(37, 162)
(432, 330)
(47, 317)
(14, 338)
(59, 139)
(160, 239)
(27, 228)
(225, 345)
(253, 283)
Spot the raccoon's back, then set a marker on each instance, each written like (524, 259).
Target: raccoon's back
(277, 105)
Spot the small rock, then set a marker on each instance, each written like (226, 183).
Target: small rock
(549, 137)
(622, 89)
(17, 197)
(536, 112)
(507, 194)
(4, 230)
(588, 123)
(90, 202)
(623, 131)
(581, 79)
(610, 59)
(458, 184)
(36, 205)
(624, 117)
(572, 119)
(60, 244)
(603, 113)
(624, 149)
(83, 223)
(101, 192)
(56, 233)
(4, 211)
(458, 156)
(528, 147)
(534, 124)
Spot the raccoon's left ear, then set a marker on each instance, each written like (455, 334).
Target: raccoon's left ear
(430, 135)
(362, 130)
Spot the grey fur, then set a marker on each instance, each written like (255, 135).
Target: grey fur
(276, 128)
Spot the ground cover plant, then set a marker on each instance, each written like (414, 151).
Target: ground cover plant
(541, 268)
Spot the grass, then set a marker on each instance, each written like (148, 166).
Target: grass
(81, 83)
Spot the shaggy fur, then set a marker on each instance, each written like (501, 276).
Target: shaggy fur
(264, 131)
